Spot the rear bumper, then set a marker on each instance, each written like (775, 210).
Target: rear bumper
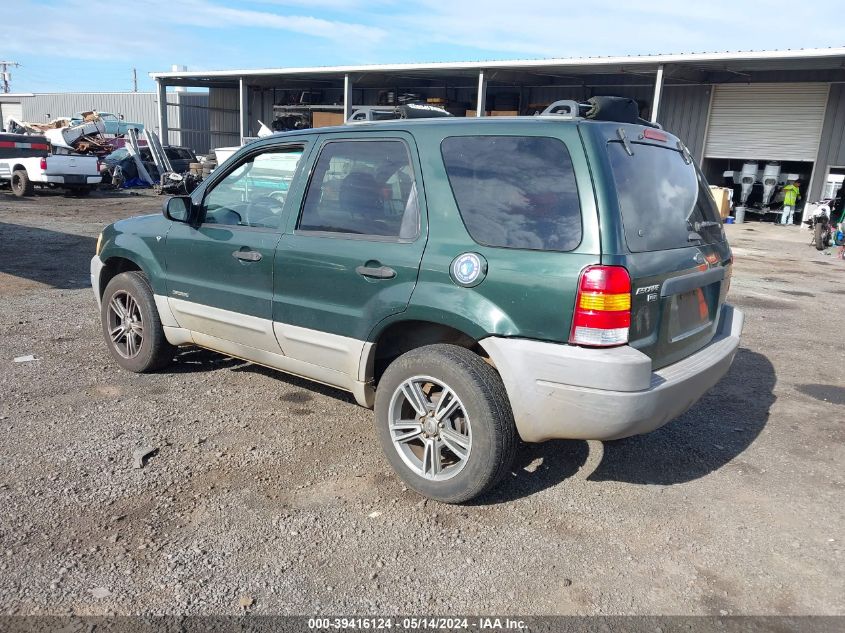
(567, 392)
(60, 180)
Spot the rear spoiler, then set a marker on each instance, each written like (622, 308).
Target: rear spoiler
(617, 109)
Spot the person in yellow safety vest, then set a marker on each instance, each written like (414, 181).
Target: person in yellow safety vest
(790, 197)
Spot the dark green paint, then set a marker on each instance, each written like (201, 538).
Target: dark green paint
(649, 320)
(309, 280)
(316, 285)
(135, 239)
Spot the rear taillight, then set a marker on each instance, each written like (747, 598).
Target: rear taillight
(43, 164)
(602, 308)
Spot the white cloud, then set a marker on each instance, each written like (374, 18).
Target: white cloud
(210, 15)
(114, 31)
(550, 28)
(219, 34)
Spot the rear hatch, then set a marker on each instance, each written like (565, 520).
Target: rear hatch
(674, 245)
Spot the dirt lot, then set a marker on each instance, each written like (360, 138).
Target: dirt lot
(270, 489)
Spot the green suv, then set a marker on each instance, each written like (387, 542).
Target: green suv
(475, 281)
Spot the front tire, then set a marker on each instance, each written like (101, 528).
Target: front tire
(131, 325)
(445, 423)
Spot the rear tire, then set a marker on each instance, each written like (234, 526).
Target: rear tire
(131, 325)
(818, 236)
(21, 184)
(473, 442)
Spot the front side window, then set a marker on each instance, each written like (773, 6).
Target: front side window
(254, 193)
(515, 191)
(363, 188)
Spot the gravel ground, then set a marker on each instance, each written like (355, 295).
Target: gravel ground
(269, 494)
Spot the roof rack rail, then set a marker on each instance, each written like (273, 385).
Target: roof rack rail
(369, 114)
(564, 108)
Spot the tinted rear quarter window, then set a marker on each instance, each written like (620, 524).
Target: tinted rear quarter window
(515, 191)
(665, 201)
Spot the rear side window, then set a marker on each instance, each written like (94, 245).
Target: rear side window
(664, 200)
(515, 191)
(363, 188)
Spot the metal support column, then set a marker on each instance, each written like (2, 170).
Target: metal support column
(658, 89)
(347, 98)
(163, 127)
(244, 109)
(481, 102)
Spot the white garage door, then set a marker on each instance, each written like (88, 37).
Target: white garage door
(7, 110)
(766, 121)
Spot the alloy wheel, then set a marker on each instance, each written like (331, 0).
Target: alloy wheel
(429, 428)
(125, 324)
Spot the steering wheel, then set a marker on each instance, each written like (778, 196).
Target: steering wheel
(259, 210)
(271, 202)
(278, 196)
(225, 216)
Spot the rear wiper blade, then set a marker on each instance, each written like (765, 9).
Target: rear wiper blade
(685, 153)
(694, 237)
(624, 138)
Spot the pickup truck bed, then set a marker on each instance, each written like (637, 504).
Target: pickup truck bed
(26, 162)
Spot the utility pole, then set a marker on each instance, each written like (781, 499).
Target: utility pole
(134, 80)
(6, 76)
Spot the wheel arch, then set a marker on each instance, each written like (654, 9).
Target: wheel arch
(139, 250)
(113, 266)
(396, 337)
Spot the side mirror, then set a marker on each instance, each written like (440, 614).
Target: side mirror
(179, 209)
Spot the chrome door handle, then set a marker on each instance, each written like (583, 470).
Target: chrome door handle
(247, 256)
(376, 272)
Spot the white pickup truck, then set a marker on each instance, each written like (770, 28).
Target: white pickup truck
(29, 161)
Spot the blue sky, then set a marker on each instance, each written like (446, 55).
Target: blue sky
(79, 45)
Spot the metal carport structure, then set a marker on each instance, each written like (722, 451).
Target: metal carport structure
(675, 90)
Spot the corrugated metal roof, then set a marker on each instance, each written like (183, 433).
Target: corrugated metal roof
(571, 63)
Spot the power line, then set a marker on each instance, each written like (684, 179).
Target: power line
(6, 76)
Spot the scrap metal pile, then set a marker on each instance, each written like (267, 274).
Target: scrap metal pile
(136, 168)
(85, 137)
(127, 161)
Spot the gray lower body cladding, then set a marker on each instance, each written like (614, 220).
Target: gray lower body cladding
(566, 392)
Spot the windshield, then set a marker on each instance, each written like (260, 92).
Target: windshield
(664, 199)
(116, 156)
